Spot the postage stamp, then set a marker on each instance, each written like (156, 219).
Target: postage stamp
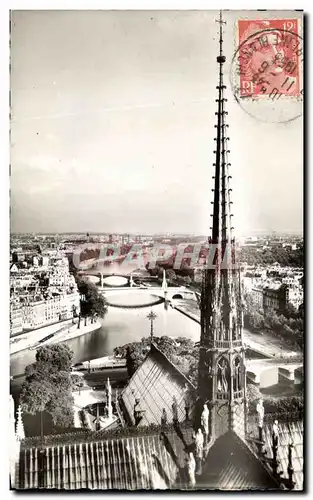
(267, 67)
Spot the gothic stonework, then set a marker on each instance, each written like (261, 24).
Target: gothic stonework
(221, 381)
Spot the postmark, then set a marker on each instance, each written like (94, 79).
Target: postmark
(266, 71)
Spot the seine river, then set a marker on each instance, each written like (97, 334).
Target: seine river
(119, 327)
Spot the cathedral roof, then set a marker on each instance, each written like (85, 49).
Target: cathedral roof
(155, 458)
(288, 431)
(158, 384)
(232, 465)
(151, 460)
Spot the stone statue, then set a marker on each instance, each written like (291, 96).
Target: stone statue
(199, 444)
(109, 399)
(275, 433)
(191, 470)
(138, 412)
(260, 412)
(175, 410)
(164, 417)
(222, 384)
(187, 408)
(205, 420)
(209, 367)
(237, 384)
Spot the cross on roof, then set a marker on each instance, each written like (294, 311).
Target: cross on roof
(151, 316)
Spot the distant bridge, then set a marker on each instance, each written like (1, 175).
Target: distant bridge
(269, 372)
(171, 292)
(272, 360)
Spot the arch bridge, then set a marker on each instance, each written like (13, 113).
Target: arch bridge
(171, 293)
(265, 373)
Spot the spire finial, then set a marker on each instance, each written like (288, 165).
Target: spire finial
(221, 58)
(20, 434)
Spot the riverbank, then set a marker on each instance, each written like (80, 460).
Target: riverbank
(61, 332)
(187, 307)
(74, 332)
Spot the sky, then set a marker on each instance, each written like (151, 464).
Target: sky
(112, 127)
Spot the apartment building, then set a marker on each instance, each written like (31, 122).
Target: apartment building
(16, 320)
(275, 296)
(39, 313)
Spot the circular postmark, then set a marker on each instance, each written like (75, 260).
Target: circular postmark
(266, 71)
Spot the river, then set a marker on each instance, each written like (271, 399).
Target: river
(119, 327)
(123, 325)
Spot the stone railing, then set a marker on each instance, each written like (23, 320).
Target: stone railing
(227, 344)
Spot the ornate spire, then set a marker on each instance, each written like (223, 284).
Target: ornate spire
(109, 399)
(20, 433)
(221, 367)
(221, 229)
(164, 282)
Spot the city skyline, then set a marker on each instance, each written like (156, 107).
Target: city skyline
(113, 127)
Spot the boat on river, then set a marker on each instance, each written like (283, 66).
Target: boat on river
(100, 363)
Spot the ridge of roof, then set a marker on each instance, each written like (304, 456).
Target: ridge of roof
(156, 351)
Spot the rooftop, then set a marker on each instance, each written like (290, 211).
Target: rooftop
(155, 458)
(159, 384)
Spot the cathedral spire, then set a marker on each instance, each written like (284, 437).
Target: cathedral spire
(222, 367)
(221, 205)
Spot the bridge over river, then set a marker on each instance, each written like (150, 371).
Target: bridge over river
(268, 372)
(186, 301)
(172, 292)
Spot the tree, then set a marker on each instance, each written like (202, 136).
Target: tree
(255, 320)
(180, 351)
(48, 385)
(170, 275)
(93, 303)
(77, 382)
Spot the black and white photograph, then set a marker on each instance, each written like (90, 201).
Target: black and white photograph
(156, 273)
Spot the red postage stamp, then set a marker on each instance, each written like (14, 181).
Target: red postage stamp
(270, 53)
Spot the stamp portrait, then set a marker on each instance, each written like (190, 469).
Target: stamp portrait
(267, 68)
(269, 57)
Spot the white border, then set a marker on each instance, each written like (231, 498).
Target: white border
(4, 181)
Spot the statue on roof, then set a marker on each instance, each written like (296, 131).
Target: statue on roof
(191, 470)
(175, 410)
(275, 433)
(237, 375)
(164, 417)
(138, 412)
(275, 462)
(260, 412)
(187, 408)
(205, 421)
(109, 399)
(199, 440)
